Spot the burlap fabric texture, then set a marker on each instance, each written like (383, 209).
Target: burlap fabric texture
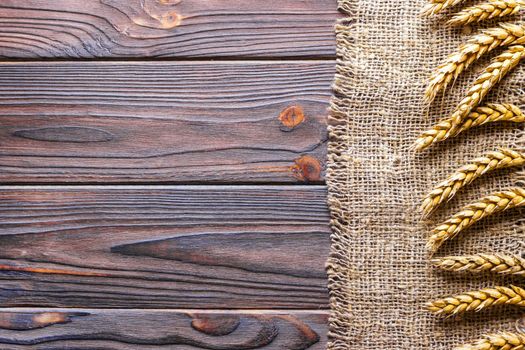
(379, 275)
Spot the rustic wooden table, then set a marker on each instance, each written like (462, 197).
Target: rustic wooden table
(162, 166)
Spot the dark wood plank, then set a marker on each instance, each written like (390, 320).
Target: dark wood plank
(163, 121)
(88, 329)
(161, 246)
(167, 28)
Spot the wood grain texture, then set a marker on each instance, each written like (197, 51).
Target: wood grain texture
(167, 28)
(176, 122)
(164, 247)
(90, 329)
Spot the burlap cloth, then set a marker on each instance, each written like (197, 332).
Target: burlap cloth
(379, 275)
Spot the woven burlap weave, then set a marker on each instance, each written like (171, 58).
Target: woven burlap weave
(379, 273)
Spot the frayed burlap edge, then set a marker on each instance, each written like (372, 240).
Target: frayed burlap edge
(338, 265)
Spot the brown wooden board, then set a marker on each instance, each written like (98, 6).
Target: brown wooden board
(167, 28)
(164, 247)
(87, 329)
(178, 122)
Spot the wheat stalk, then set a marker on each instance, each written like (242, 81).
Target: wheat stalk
(492, 74)
(444, 191)
(504, 35)
(497, 341)
(477, 300)
(437, 6)
(487, 10)
(495, 263)
(487, 206)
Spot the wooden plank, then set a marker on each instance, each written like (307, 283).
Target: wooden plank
(167, 28)
(154, 247)
(164, 121)
(156, 330)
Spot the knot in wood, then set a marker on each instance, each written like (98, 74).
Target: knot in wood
(307, 168)
(291, 117)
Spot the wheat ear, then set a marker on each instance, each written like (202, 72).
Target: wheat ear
(477, 300)
(504, 35)
(487, 206)
(492, 74)
(444, 191)
(497, 341)
(487, 10)
(481, 115)
(495, 263)
(490, 113)
(436, 6)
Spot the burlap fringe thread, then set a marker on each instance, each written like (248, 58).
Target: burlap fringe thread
(338, 265)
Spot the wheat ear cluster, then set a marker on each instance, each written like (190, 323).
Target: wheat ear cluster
(504, 35)
(436, 6)
(446, 190)
(497, 341)
(487, 206)
(477, 300)
(492, 74)
(490, 113)
(487, 10)
(494, 263)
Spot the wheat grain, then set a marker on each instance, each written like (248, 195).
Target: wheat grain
(491, 75)
(497, 341)
(477, 300)
(465, 175)
(487, 10)
(495, 263)
(436, 6)
(489, 113)
(487, 206)
(504, 35)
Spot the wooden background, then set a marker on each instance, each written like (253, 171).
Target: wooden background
(162, 173)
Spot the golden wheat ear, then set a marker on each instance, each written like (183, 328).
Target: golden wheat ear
(497, 341)
(459, 120)
(488, 10)
(446, 190)
(486, 206)
(504, 35)
(436, 6)
(490, 113)
(495, 263)
(477, 300)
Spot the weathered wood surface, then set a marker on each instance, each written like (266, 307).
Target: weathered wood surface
(164, 247)
(89, 329)
(167, 28)
(176, 122)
